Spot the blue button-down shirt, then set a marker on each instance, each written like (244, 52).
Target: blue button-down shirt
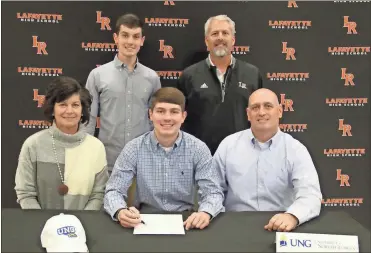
(278, 175)
(165, 180)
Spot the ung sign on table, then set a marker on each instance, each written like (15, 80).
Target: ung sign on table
(303, 242)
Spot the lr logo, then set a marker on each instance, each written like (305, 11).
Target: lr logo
(40, 45)
(286, 103)
(168, 50)
(39, 98)
(103, 21)
(343, 178)
(350, 25)
(348, 77)
(346, 128)
(289, 51)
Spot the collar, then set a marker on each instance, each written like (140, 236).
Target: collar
(210, 63)
(68, 138)
(156, 144)
(272, 142)
(119, 63)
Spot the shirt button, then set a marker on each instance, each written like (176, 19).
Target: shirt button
(166, 190)
(128, 120)
(128, 105)
(165, 174)
(128, 134)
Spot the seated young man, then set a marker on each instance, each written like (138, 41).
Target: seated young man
(264, 169)
(167, 163)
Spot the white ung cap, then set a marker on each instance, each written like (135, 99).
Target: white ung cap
(64, 233)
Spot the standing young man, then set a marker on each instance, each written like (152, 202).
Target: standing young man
(121, 90)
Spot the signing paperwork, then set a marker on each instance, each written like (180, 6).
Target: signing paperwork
(160, 224)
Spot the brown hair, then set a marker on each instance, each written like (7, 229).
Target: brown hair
(168, 95)
(62, 88)
(129, 20)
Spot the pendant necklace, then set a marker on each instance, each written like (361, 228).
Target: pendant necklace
(62, 188)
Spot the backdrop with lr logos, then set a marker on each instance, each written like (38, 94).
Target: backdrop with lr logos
(314, 55)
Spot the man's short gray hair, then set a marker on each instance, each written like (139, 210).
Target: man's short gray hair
(220, 18)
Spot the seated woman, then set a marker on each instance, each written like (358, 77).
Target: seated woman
(63, 167)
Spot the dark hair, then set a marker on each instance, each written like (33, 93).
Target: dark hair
(60, 89)
(168, 95)
(129, 20)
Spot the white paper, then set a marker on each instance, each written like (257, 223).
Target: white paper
(160, 224)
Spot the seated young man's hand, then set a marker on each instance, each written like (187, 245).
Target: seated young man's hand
(129, 217)
(197, 220)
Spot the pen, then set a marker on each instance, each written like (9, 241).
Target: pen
(141, 221)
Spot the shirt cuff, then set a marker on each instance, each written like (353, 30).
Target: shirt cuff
(297, 219)
(114, 214)
(210, 210)
(297, 215)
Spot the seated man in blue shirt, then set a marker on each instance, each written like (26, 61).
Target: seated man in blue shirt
(166, 162)
(264, 169)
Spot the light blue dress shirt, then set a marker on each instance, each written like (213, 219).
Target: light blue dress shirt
(122, 98)
(165, 180)
(278, 175)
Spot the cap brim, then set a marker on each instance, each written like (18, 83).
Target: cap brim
(68, 248)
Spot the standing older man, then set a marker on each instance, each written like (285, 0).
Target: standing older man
(217, 89)
(264, 169)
